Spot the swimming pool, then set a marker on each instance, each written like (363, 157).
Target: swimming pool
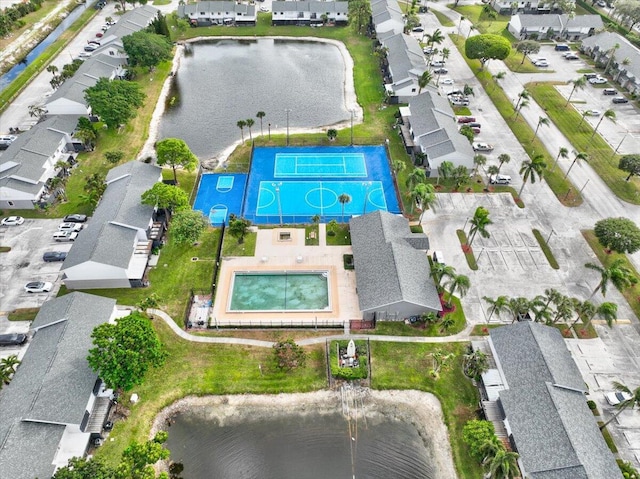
(293, 291)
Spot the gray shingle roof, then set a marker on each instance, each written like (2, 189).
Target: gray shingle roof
(553, 429)
(111, 232)
(605, 41)
(53, 383)
(388, 267)
(559, 21)
(215, 7)
(133, 21)
(405, 57)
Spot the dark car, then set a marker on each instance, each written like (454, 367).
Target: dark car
(609, 91)
(619, 99)
(441, 71)
(53, 256)
(74, 218)
(13, 339)
(90, 48)
(466, 119)
(589, 76)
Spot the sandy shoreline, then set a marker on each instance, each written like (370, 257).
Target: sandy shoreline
(350, 100)
(420, 409)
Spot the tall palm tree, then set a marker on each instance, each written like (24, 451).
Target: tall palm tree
(417, 175)
(435, 38)
(9, 363)
(344, 199)
(444, 54)
(496, 77)
(610, 114)
(612, 54)
(523, 104)
(397, 166)
(424, 80)
(617, 274)
(260, 115)
(446, 169)
(531, 168)
(474, 363)
(478, 161)
(492, 170)
(479, 224)
(632, 402)
(489, 448)
(578, 84)
(607, 311)
(542, 120)
(578, 157)
(518, 307)
(426, 197)
(440, 271)
(504, 465)
(498, 305)
(523, 95)
(250, 123)
(564, 310)
(562, 153)
(459, 283)
(241, 124)
(503, 158)
(583, 309)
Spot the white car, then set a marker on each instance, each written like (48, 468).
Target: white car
(597, 80)
(12, 221)
(65, 236)
(479, 146)
(447, 81)
(38, 287)
(593, 113)
(70, 227)
(616, 397)
(541, 63)
(264, 9)
(500, 179)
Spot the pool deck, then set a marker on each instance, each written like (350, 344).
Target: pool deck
(274, 254)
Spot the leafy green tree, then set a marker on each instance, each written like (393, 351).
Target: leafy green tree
(479, 224)
(474, 363)
(175, 153)
(467, 132)
(123, 352)
(87, 137)
(359, 15)
(146, 49)
(170, 198)
(621, 235)
(397, 166)
(159, 25)
(138, 459)
(435, 38)
(114, 156)
(629, 12)
(439, 360)
(630, 164)
(487, 47)
(288, 355)
(527, 47)
(151, 301)
(81, 468)
(475, 433)
(187, 226)
(332, 134)
(530, 169)
(616, 273)
(344, 199)
(114, 101)
(522, 96)
(238, 228)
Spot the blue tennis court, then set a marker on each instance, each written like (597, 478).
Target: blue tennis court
(325, 165)
(219, 195)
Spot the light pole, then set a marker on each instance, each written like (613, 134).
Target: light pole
(549, 238)
(367, 185)
(352, 112)
(277, 187)
(269, 125)
(287, 111)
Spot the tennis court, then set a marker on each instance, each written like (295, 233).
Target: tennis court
(294, 184)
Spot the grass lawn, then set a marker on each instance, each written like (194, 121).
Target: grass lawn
(174, 276)
(231, 247)
(406, 366)
(442, 18)
(564, 190)
(341, 236)
(466, 249)
(23, 314)
(312, 235)
(483, 329)
(580, 133)
(632, 294)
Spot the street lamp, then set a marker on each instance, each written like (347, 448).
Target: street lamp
(367, 185)
(352, 112)
(277, 187)
(269, 131)
(287, 111)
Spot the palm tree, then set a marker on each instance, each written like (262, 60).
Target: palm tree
(531, 168)
(88, 138)
(37, 111)
(617, 274)
(417, 175)
(562, 153)
(435, 37)
(62, 166)
(52, 69)
(474, 362)
(440, 271)
(503, 158)
(523, 95)
(583, 309)
(541, 121)
(260, 115)
(479, 224)
(504, 465)
(489, 448)
(444, 54)
(496, 77)
(584, 114)
(250, 123)
(607, 311)
(397, 166)
(578, 157)
(578, 84)
(518, 307)
(539, 307)
(498, 305)
(610, 114)
(564, 309)
(523, 104)
(425, 195)
(9, 363)
(424, 80)
(241, 124)
(492, 170)
(344, 199)
(632, 402)
(612, 54)
(446, 169)
(460, 283)
(478, 161)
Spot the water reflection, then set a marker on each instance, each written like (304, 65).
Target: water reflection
(224, 81)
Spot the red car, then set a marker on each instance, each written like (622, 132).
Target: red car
(466, 119)
(99, 34)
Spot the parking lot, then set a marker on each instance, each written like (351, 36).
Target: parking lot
(23, 263)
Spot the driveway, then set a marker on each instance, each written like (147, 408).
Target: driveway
(24, 263)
